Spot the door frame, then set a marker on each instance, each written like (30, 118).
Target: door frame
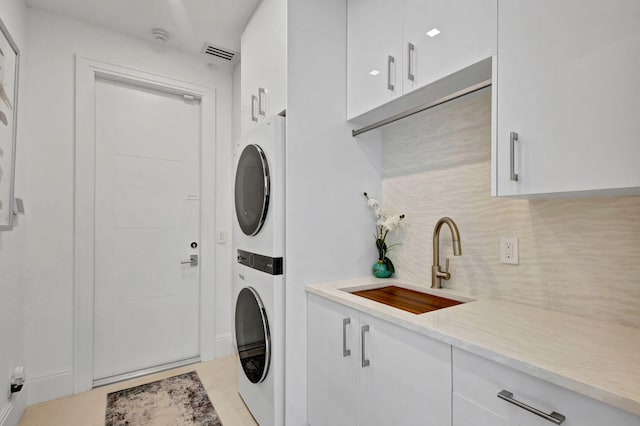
(87, 70)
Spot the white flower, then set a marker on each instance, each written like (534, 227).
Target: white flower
(390, 223)
(373, 203)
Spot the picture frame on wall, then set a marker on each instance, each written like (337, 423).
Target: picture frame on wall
(9, 72)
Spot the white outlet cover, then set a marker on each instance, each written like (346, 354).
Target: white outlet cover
(509, 250)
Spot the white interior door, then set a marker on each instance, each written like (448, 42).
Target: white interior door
(147, 214)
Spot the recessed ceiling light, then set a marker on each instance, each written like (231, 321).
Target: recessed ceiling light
(374, 72)
(434, 32)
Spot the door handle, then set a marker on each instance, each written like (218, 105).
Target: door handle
(345, 352)
(193, 261)
(513, 138)
(365, 360)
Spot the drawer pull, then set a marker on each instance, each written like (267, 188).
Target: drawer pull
(555, 418)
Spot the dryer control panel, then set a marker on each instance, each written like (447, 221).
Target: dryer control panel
(270, 265)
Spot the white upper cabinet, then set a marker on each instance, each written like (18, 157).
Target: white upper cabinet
(568, 85)
(264, 63)
(374, 64)
(442, 37)
(393, 48)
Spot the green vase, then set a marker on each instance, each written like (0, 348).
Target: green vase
(380, 270)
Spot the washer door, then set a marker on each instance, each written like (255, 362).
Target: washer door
(252, 335)
(252, 189)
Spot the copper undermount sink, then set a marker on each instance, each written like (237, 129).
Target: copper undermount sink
(408, 300)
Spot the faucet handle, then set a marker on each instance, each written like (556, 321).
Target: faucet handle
(446, 268)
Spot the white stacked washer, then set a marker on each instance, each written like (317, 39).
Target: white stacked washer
(258, 275)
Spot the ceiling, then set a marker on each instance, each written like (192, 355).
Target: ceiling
(189, 22)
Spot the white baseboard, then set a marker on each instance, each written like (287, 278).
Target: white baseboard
(48, 385)
(13, 410)
(224, 345)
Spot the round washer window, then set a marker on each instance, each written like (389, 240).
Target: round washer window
(252, 189)
(252, 335)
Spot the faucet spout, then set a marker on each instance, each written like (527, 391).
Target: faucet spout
(437, 275)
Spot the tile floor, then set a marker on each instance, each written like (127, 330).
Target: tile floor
(88, 408)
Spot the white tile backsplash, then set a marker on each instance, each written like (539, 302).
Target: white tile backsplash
(580, 256)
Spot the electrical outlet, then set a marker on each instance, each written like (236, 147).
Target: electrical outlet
(509, 250)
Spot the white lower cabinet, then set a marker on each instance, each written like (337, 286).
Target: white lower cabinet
(468, 413)
(366, 371)
(477, 382)
(332, 363)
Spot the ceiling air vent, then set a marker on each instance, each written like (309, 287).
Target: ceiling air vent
(221, 53)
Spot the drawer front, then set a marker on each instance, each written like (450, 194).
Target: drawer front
(467, 413)
(480, 380)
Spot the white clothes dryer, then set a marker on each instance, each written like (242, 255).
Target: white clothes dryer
(259, 189)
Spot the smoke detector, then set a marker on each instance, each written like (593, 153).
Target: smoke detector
(160, 35)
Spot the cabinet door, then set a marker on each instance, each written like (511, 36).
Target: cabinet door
(467, 413)
(480, 380)
(467, 34)
(332, 373)
(407, 380)
(569, 85)
(374, 33)
(264, 62)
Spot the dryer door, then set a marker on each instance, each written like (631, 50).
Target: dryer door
(252, 335)
(252, 189)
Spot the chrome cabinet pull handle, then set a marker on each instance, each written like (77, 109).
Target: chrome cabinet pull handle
(513, 138)
(254, 101)
(555, 418)
(262, 101)
(412, 51)
(345, 352)
(390, 60)
(365, 361)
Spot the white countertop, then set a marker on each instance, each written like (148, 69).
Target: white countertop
(594, 358)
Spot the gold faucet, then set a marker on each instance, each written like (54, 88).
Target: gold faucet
(436, 274)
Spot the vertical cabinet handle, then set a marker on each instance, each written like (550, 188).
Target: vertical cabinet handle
(262, 101)
(555, 418)
(412, 53)
(365, 361)
(345, 322)
(254, 102)
(390, 61)
(513, 138)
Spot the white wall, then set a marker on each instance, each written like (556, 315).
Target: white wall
(48, 188)
(329, 228)
(12, 244)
